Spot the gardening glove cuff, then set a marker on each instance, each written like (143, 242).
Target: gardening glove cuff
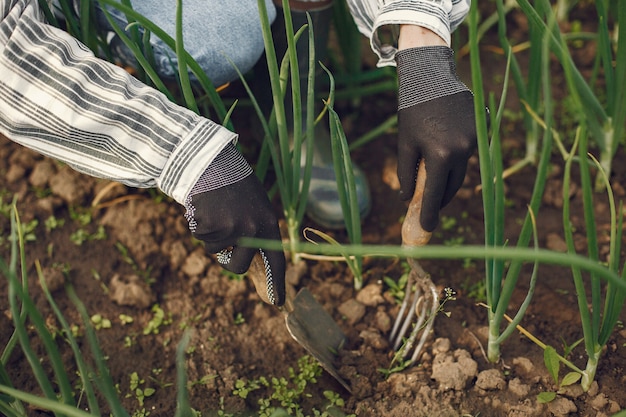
(229, 203)
(426, 73)
(228, 167)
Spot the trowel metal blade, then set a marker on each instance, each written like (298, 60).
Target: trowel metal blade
(314, 329)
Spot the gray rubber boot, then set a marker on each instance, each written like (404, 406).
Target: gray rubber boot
(323, 204)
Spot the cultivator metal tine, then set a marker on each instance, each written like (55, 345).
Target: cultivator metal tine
(417, 312)
(405, 318)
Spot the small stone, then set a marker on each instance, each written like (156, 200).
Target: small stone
(295, 272)
(130, 291)
(176, 252)
(42, 172)
(441, 345)
(70, 186)
(382, 321)
(562, 406)
(195, 263)
(15, 173)
(490, 379)
(453, 371)
(524, 366)
(374, 339)
(599, 402)
(518, 388)
(352, 310)
(371, 295)
(573, 391)
(556, 243)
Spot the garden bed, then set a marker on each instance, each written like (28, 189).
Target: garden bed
(132, 261)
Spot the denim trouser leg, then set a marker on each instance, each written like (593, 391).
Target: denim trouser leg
(212, 31)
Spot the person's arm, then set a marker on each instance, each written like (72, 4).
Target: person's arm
(57, 98)
(413, 36)
(435, 109)
(441, 17)
(60, 100)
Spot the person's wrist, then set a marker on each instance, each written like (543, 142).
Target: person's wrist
(412, 36)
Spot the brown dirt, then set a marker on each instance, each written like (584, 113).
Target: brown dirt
(235, 336)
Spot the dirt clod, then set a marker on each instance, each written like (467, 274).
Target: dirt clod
(131, 291)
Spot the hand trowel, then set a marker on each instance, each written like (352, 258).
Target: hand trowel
(307, 322)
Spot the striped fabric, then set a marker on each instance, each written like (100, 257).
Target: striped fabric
(372, 16)
(60, 100)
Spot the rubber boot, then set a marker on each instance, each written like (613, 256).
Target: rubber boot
(323, 204)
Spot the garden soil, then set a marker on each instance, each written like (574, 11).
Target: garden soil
(146, 258)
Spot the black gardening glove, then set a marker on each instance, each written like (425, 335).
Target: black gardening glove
(435, 122)
(228, 203)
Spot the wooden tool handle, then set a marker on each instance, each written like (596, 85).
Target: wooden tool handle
(256, 272)
(412, 232)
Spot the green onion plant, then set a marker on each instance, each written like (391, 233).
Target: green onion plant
(605, 118)
(599, 307)
(288, 149)
(500, 280)
(529, 89)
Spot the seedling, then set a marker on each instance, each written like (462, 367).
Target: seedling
(286, 393)
(137, 389)
(100, 322)
(29, 230)
(553, 363)
(239, 318)
(127, 258)
(397, 288)
(158, 319)
(52, 223)
(81, 235)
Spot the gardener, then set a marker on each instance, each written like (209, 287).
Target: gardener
(58, 99)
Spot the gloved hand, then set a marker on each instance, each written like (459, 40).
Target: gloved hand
(435, 122)
(228, 203)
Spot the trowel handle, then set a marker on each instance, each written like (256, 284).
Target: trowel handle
(412, 232)
(256, 272)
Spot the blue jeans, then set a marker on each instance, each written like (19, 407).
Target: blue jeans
(213, 32)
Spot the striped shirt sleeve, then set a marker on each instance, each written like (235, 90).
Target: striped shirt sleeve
(60, 100)
(373, 17)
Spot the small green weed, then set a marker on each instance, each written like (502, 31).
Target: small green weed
(239, 318)
(100, 322)
(553, 363)
(52, 223)
(397, 288)
(127, 258)
(80, 235)
(287, 394)
(139, 390)
(158, 319)
(29, 230)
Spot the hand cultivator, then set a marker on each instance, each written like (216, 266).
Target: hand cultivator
(421, 299)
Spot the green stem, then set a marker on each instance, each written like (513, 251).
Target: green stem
(589, 373)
